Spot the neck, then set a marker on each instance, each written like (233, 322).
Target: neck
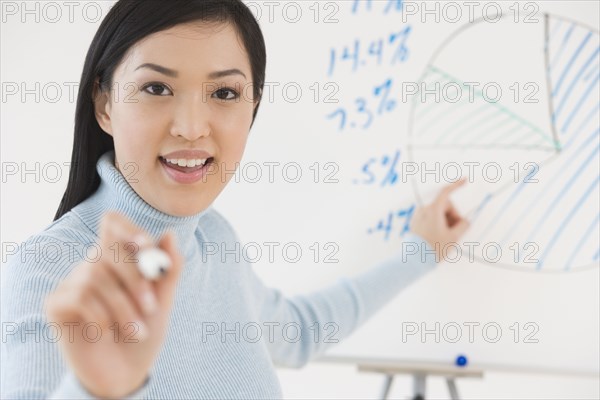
(115, 194)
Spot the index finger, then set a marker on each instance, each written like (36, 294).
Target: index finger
(116, 229)
(442, 197)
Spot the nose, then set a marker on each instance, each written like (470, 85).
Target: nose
(192, 118)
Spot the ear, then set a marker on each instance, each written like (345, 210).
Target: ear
(102, 107)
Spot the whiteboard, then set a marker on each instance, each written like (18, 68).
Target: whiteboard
(536, 303)
(335, 187)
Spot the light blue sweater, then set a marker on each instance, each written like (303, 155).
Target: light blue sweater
(227, 331)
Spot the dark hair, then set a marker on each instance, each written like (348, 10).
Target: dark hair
(127, 22)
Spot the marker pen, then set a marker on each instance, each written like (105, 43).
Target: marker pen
(153, 262)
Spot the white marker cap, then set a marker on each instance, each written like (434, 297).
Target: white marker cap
(153, 262)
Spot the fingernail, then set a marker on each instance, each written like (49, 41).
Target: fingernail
(149, 302)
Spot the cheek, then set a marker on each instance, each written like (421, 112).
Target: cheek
(137, 131)
(230, 132)
(232, 147)
(233, 137)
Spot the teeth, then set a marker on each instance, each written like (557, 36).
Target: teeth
(182, 162)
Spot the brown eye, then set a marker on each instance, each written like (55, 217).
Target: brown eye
(156, 89)
(226, 94)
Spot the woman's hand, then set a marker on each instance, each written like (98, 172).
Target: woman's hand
(131, 311)
(439, 223)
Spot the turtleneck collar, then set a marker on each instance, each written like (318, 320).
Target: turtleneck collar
(115, 193)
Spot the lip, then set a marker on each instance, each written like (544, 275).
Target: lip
(188, 154)
(186, 177)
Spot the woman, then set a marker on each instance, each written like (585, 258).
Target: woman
(168, 94)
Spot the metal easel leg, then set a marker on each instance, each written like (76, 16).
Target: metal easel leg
(387, 385)
(419, 387)
(452, 388)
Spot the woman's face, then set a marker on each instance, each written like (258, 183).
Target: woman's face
(179, 97)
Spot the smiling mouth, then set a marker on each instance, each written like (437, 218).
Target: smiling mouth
(178, 165)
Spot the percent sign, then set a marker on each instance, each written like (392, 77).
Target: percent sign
(386, 103)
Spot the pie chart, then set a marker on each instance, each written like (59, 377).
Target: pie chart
(516, 107)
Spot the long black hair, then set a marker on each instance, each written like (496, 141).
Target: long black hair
(127, 22)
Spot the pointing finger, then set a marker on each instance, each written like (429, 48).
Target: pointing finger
(452, 214)
(442, 198)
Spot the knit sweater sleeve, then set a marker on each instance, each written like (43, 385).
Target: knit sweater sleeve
(32, 364)
(337, 310)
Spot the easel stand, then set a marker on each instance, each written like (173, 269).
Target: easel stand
(420, 370)
(417, 369)
(419, 382)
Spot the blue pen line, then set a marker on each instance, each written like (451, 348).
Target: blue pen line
(570, 183)
(561, 171)
(588, 118)
(570, 63)
(477, 211)
(581, 100)
(573, 82)
(592, 71)
(557, 26)
(566, 221)
(561, 49)
(355, 6)
(398, 6)
(595, 133)
(579, 245)
(504, 206)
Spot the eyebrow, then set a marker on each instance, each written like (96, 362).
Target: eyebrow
(173, 74)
